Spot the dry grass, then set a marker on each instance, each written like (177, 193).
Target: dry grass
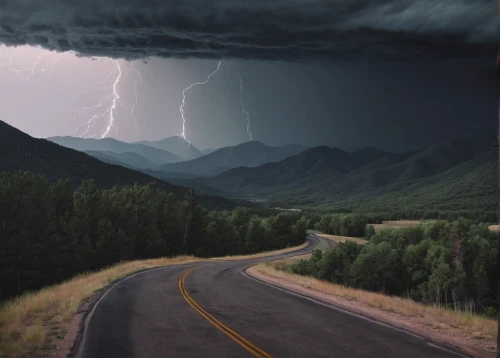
(395, 224)
(439, 318)
(262, 254)
(494, 227)
(27, 323)
(283, 263)
(338, 239)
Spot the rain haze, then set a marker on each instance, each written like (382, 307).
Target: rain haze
(324, 73)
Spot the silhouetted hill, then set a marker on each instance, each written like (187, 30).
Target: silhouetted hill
(155, 155)
(175, 145)
(20, 152)
(312, 164)
(249, 154)
(331, 177)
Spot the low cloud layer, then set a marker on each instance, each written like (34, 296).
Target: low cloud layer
(305, 30)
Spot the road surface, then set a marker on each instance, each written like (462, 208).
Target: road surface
(215, 310)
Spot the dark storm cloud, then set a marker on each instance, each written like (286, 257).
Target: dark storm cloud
(255, 29)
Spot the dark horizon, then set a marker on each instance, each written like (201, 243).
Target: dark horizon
(488, 139)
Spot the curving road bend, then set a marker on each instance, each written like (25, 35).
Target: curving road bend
(213, 309)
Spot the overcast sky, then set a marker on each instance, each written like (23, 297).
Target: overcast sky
(397, 75)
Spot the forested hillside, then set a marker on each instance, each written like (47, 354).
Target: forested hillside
(450, 264)
(450, 176)
(49, 233)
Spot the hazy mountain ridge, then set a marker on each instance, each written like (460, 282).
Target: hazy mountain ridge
(331, 176)
(175, 145)
(316, 177)
(155, 155)
(248, 154)
(125, 159)
(21, 152)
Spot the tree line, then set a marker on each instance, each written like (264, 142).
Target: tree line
(50, 232)
(453, 264)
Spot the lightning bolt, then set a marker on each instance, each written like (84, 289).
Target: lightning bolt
(136, 95)
(108, 104)
(181, 109)
(249, 130)
(21, 71)
(115, 97)
(42, 63)
(104, 110)
(54, 62)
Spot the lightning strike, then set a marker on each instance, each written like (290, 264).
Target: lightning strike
(136, 95)
(132, 109)
(42, 64)
(108, 104)
(101, 117)
(114, 100)
(54, 62)
(21, 71)
(181, 109)
(249, 129)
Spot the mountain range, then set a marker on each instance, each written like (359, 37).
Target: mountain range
(248, 154)
(371, 178)
(175, 145)
(451, 175)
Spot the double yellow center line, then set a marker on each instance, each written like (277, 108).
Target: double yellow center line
(256, 351)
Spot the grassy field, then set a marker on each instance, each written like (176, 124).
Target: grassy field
(443, 320)
(262, 254)
(395, 224)
(337, 239)
(494, 227)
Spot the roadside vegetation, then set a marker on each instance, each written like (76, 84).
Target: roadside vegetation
(336, 239)
(447, 264)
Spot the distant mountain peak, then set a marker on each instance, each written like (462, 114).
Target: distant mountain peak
(172, 139)
(155, 155)
(252, 143)
(176, 145)
(247, 154)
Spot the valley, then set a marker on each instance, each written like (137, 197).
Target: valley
(457, 176)
(366, 212)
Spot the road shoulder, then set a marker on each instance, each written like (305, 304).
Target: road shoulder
(452, 337)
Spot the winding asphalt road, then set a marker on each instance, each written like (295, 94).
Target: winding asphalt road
(215, 310)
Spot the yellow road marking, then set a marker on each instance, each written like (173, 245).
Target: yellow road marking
(256, 351)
